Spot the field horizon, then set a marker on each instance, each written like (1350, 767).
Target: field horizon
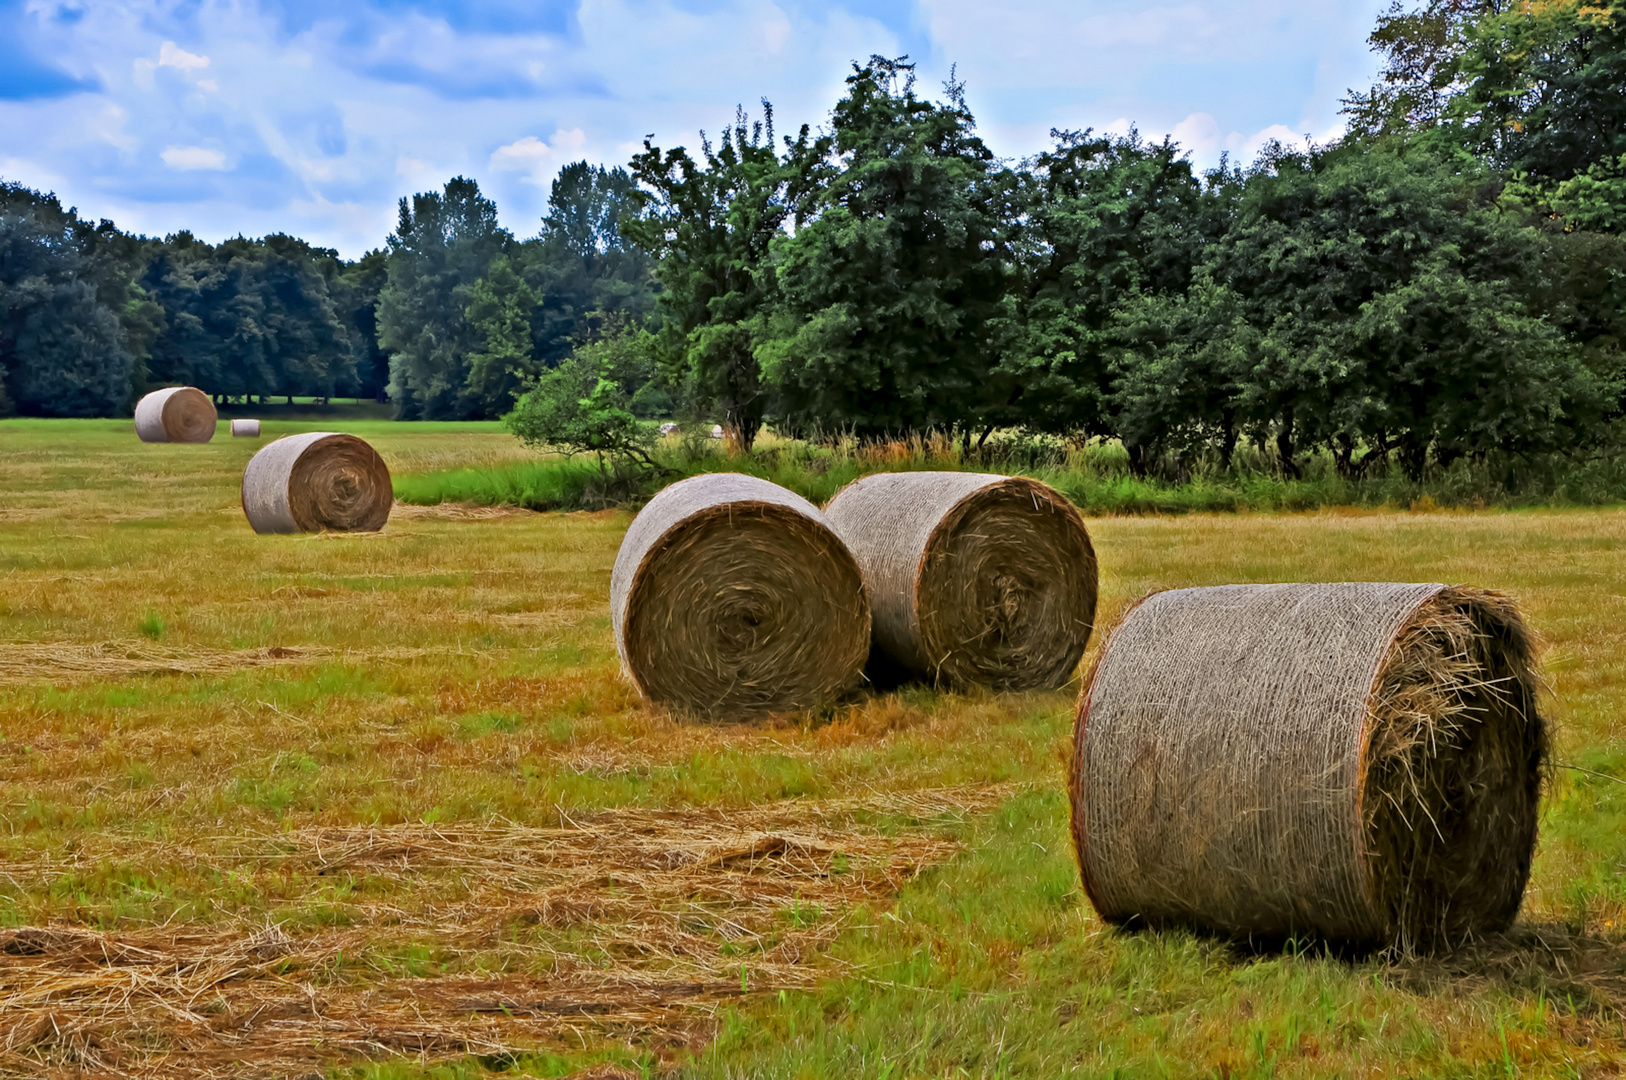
(382, 805)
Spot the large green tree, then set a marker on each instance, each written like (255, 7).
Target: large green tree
(712, 224)
(580, 265)
(1101, 220)
(1536, 89)
(444, 241)
(891, 291)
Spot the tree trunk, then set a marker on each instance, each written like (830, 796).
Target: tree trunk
(1284, 447)
(1137, 460)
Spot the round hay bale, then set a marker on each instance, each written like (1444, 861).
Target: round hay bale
(975, 580)
(245, 429)
(732, 597)
(175, 414)
(315, 481)
(1360, 762)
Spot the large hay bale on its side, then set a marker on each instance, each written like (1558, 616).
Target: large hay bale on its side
(733, 597)
(182, 414)
(1357, 761)
(315, 481)
(245, 429)
(975, 580)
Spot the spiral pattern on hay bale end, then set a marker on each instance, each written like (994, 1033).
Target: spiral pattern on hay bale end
(245, 429)
(321, 480)
(732, 597)
(182, 414)
(1360, 762)
(975, 579)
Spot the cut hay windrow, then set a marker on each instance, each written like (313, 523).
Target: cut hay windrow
(181, 414)
(732, 597)
(317, 481)
(1359, 762)
(621, 921)
(245, 429)
(975, 580)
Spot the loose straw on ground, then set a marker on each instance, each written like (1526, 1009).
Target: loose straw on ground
(1359, 762)
(975, 580)
(315, 481)
(732, 597)
(176, 414)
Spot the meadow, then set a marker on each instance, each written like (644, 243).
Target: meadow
(382, 806)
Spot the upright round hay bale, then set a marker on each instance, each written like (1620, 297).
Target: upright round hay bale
(182, 414)
(732, 597)
(321, 480)
(975, 580)
(1359, 761)
(245, 429)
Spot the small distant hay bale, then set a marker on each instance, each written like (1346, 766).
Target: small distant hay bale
(315, 481)
(975, 580)
(181, 414)
(732, 597)
(668, 428)
(1360, 762)
(245, 429)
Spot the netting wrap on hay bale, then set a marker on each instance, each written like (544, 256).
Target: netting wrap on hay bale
(176, 414)
(245, 429)
(1356, 761)
(315, 481)
(733, 597)
(975, 580)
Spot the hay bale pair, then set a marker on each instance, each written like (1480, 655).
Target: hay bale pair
(732, 596)
(1358, 762)
(320, 480)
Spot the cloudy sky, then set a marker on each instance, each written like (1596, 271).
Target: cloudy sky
(313, 116)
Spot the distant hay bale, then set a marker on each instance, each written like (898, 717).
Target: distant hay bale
(732, 597)
(245, 429)
(1359, 761)
(668, 428)
(175, 414)
(717, 431)
(315, 481)
(975, 580)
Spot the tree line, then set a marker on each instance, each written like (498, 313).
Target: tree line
(448, 320)
(1448, 280)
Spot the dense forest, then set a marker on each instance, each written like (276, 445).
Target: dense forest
(1446, 280)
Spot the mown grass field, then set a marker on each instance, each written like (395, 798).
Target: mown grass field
(381, 806)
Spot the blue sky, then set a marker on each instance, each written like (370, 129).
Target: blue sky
(314, 116)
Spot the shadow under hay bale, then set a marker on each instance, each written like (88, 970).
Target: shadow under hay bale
(321, 480)
(181, 414)
(975, 580)
(1358, 762)
(732, 597)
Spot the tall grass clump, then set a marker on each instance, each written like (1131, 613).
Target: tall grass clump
(1096, 476)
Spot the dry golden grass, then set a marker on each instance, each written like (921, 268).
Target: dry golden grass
(393, 789)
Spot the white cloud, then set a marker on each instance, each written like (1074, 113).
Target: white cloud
(1200, 134)
(170, 55)
(193, 158)
(536, 158)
